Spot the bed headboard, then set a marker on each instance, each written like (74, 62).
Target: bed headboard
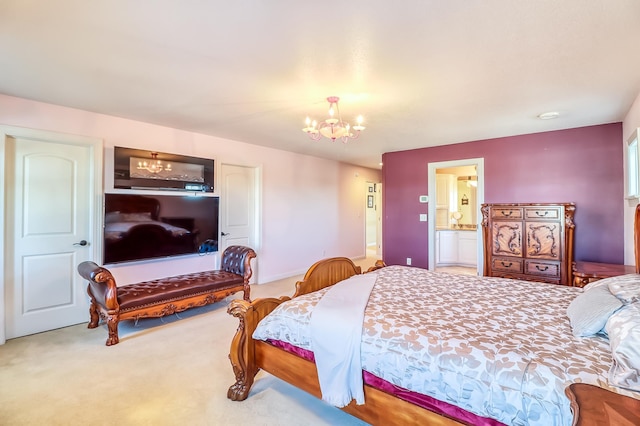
(125, 203)
(325, 273)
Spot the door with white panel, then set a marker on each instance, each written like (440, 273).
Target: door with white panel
(237, 206)
(51, 217)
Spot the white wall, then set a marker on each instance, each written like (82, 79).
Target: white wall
(629, 125)
(311, 207)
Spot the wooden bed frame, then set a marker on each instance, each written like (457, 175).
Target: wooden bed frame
(248, 356)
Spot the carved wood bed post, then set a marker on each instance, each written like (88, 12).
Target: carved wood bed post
(242, 352)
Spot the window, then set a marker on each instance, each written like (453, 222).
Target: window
(632, 167)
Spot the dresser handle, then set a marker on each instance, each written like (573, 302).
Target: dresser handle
(541, 269)
(541, 215)
(505, 213)
(505, 265)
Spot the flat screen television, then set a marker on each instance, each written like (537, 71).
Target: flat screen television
(140, 227)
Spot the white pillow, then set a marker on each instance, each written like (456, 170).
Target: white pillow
(625, 287)
(623, 328)
(591, 309)
(598, 283)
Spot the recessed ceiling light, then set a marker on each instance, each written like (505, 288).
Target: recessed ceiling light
(549, 115)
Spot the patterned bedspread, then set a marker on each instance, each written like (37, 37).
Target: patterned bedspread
(498, 348)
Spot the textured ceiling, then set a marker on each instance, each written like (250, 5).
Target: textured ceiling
(421, 72)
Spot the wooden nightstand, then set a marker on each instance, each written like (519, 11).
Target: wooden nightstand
(587, 272)
(594, 406)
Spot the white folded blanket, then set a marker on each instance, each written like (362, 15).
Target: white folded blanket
(336, 334)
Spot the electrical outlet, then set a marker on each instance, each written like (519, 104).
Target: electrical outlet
(423, 217)
(408, 261)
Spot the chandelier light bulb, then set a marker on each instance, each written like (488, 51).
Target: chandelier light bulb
(359, 127)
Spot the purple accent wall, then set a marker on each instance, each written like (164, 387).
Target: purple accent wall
(583, 166)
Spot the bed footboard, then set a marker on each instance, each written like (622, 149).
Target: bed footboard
(243, 358)
(242, 353)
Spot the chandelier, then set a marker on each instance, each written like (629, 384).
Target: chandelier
(155, 165)
(333, 127)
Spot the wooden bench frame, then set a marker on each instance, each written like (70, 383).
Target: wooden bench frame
(105, 302)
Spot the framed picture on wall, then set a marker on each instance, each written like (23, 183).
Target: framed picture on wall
(370, 201)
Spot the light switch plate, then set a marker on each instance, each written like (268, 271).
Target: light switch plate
(424, 198)
(423, 217)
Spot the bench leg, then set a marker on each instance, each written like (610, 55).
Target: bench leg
(93, 314)
(112, 325)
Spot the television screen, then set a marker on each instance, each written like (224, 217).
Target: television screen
(139, 227)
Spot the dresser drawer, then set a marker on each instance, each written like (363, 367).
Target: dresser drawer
(537, 213)
(506, 264)
(506, 213)
(510, 275)
(545, 269)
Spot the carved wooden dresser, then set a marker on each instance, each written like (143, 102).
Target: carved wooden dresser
(532, 242)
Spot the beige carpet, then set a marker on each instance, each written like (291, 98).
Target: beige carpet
(169, 371)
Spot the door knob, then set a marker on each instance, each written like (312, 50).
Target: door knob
(81, 243)
(224, 234)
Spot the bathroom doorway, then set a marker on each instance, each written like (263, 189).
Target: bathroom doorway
(456, 193)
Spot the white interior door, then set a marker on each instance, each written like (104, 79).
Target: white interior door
(51, 227)
(237, 206)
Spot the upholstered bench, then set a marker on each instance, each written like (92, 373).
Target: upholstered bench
(164, 296)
